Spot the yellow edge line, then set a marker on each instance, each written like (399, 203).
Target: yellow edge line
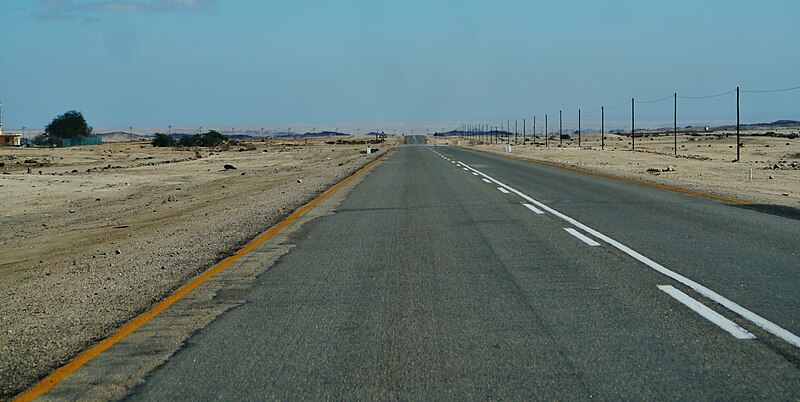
(644, 183)
(47, 383)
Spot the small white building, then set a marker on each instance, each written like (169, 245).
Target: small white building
(9, 140)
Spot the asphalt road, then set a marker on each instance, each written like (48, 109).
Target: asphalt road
(429, 282)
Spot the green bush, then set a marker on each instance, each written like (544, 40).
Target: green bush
(209, 139)
(163, 140)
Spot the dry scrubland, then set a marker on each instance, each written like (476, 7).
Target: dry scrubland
(93, 236)
(704, 162)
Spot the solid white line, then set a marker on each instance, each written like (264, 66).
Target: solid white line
(727, 303)
(502, 190)
(488, 181)
(709, 314)
(529, 206)
(582, 237)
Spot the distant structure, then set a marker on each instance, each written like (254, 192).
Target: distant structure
(8, 140)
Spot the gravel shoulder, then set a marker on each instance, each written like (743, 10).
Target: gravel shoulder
(105, 232)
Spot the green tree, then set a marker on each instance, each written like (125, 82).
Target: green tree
(163, 140)
(68, 125)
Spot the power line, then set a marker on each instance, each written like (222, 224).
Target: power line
(656, 101)
(772, 90)
(708, 96)
(617, 107)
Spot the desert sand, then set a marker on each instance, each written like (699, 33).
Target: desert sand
(93, 236)
(705, 162)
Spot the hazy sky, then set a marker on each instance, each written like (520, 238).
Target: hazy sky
(248, 62)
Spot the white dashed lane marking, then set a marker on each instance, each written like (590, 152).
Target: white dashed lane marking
(529, 206)
(754, 318)
(709, 314)
(582, 237)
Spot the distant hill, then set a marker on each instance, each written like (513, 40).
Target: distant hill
(121, 136)
(178, 136)
(774, 124)
(285, 134)
(779, 123)
(325, 134)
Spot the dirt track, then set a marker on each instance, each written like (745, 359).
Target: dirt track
(105, 232)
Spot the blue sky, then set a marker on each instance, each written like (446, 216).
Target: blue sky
(246, 62)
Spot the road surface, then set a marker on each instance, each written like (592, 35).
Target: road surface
(451, 274)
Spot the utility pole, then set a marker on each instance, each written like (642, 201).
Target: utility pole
(633, 130)
(602, 127)
(737, 124)
(523, 132)
(515, 132)
(546, 139)
(560, 134)
(534, 130)
(579, 128)
(675, 122)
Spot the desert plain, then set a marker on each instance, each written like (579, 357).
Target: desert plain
(767, 172)
(93, 236)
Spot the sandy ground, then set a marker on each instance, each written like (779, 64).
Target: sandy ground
(105, 232)
(704, 162)
(93, 236)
